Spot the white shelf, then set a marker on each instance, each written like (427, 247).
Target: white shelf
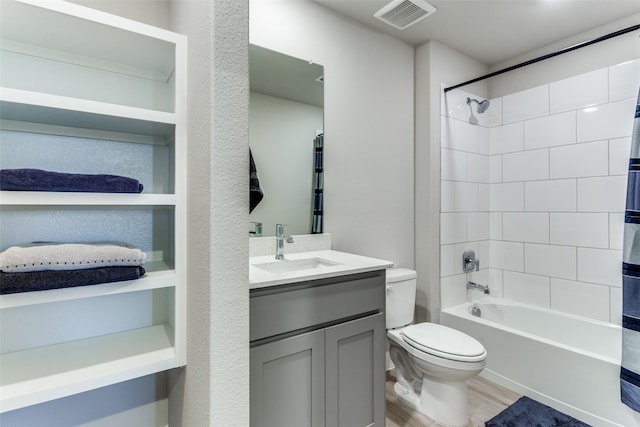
(44, 198)
(72, 71)
(108, 42)
(152, 280)
(40, 112)
(46, 373)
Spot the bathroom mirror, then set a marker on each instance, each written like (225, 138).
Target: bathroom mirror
(285, 116)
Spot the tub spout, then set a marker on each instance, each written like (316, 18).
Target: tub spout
(474, 285)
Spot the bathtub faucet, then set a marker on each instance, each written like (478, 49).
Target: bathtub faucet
(474, 285)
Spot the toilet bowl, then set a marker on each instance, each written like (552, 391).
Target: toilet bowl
(433, 362)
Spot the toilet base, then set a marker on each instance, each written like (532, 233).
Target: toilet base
(446, 402)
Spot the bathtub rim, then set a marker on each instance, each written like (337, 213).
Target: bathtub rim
(462, 310)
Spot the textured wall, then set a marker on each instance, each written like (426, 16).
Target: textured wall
(214, 387)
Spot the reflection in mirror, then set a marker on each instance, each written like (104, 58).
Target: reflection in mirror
(286, 138)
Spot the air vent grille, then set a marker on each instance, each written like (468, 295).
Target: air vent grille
(404, 13)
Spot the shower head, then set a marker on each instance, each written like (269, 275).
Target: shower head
(482, 105)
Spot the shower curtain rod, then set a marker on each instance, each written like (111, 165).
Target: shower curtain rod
(547, 56)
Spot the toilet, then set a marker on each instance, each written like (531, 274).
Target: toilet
(432, 361)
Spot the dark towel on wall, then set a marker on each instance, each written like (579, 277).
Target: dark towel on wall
(11, 283)
(41, 180)
(255, 192)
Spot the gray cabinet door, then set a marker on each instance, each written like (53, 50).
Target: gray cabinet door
(287, 382)
(355, 373)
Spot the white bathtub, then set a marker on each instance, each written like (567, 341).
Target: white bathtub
(568, 362)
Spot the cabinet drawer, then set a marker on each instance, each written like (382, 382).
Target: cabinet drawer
(288, 308)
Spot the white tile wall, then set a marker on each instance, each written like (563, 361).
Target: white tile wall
(453, 291)
(478, 168)
(589, 159)
(525, 105)
(478, 226)
(550, 131)
(466, 136)
(579, 91)
(446, 260)
(607, 121)
(526, 227)
(525, 166)
(453, 228)
(583, 299)
(495, 169)
(616, 230)
(551, 196)
(454, 165)
(606, 194)
(496, 283)
(484, 141)
(600, 266)
(615, 294)
(527, 288)
(507, 138)
(619, 150)
(550, 260)
(548, 166)
(580, 229)
(483, 196)
(447, 196)
(465, 198)
(495, 225)
(506, 197)
(624, 80)
(506, 255)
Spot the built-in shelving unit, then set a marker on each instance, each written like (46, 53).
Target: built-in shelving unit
(83, 91)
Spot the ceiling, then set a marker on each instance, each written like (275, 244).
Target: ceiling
(493, 31)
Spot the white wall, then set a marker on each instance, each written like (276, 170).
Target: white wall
(281, 137)
(435, 64)
(369, 190)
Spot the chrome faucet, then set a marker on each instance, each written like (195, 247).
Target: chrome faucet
(280, 239)
(257, 232)
(474, 285)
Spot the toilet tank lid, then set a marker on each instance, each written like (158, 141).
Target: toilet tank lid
(399, 274)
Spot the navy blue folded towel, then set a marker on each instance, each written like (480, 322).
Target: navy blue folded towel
(41, 180)
(11, 283)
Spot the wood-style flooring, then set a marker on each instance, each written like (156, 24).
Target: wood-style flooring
(486, 400)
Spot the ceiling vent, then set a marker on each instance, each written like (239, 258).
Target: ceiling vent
(404, 13)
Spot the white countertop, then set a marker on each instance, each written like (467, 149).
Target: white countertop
(346, 264)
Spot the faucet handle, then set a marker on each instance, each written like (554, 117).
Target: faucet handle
(469, 261)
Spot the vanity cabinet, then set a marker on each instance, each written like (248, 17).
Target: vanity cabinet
(317, 353)
(82, 91)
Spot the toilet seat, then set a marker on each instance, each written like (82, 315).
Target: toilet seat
(442, 341)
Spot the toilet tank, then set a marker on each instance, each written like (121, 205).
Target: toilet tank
(401, 297)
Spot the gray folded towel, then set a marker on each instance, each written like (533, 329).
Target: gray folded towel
(11, 283)
(68, 256)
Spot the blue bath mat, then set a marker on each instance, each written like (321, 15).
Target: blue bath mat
(526, 412)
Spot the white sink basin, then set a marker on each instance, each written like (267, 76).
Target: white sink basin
(287, 265)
